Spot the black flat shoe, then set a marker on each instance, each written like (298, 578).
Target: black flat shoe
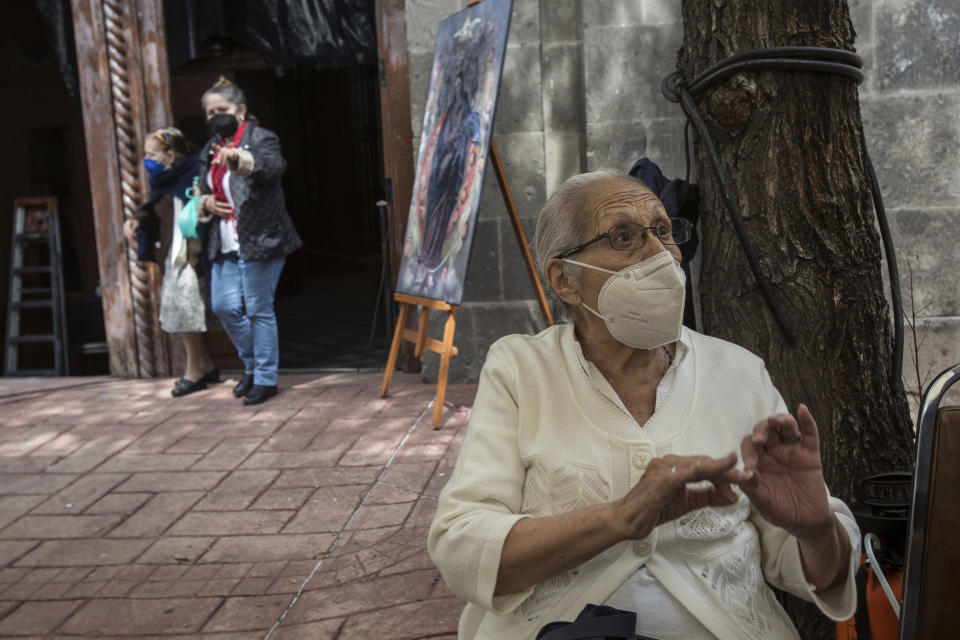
(243, 387)
(184, 386)
(259, 393)
(211, 377)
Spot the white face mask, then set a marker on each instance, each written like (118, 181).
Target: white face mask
(642, 305)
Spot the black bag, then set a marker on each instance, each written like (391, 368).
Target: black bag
(595, 622)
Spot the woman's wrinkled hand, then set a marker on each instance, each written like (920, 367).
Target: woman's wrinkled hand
(130, 227)
(662, 493)
(787, 485)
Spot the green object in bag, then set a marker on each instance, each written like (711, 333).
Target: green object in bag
(187, 220)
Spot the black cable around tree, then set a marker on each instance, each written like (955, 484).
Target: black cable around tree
(819, 59)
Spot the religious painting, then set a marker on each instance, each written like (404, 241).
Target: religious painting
(457, 125)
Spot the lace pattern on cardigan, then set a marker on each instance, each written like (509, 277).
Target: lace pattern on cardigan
(550, 491)
(736, 579)
(731, 567)
(713, 523)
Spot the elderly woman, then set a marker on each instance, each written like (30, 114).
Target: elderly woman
(183, 308)
(600, 464)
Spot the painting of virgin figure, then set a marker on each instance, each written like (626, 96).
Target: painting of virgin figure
(457, 124)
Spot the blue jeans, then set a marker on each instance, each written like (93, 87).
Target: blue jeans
(235, 283)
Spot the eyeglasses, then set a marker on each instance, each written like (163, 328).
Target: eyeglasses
(630, 236)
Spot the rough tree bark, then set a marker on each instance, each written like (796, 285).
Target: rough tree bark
(792, 143)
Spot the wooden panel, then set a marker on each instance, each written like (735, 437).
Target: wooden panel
(395, 116)
(156, 72)
(102, 161)
(397, 138)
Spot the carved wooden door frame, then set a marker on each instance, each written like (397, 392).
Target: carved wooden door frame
(124, 88)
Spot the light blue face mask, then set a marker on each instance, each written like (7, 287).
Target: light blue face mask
(153, 167)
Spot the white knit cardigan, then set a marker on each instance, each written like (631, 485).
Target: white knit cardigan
(546, 437)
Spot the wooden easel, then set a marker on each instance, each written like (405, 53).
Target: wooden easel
(422, 341)
(445, 348)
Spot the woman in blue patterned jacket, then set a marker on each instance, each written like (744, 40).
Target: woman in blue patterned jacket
(252, 236)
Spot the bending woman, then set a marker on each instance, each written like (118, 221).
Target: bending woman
(626, 460)
(251, 237)
(183, 307)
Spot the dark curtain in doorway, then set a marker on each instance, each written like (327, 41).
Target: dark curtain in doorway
(289, 34)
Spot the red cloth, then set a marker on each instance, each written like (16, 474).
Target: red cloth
(219, 171)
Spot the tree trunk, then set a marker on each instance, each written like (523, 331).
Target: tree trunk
(792, 144)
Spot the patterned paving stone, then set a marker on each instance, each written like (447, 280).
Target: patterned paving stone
(12, 507)
(123, 503)
(231, 523)
(149, 462)
(157, 514)
(67, 553)
(267, 548)
(274, 499)
(10, 550)
(16, 441)
(324, 630)
(75, 526)
(291, 460)
(362, 595)
(36, 617)
(245, 613)
(238, 490)
(91, 454)
(173, 550)
(380, 515)
(160, 439)
(138, 617)
(34, 483)
(172, 481)
(328, 476)
(82, 493)
(328, 509)
(229, 454)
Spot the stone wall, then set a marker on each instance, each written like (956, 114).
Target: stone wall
(581, 90)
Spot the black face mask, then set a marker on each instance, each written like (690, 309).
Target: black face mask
(223, 124)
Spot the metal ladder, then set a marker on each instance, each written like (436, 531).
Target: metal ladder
(35, 222)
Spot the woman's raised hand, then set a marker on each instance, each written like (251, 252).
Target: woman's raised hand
(226, 156)
(662, 493)
(787, 485)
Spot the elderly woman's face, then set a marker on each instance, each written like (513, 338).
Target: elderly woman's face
(612, 202)
(615, 201)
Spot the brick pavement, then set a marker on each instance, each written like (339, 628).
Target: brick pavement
(127, 513)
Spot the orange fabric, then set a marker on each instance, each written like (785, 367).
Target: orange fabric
(847, 629)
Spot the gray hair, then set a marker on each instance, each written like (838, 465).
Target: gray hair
(562, 224)
(227, 89)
